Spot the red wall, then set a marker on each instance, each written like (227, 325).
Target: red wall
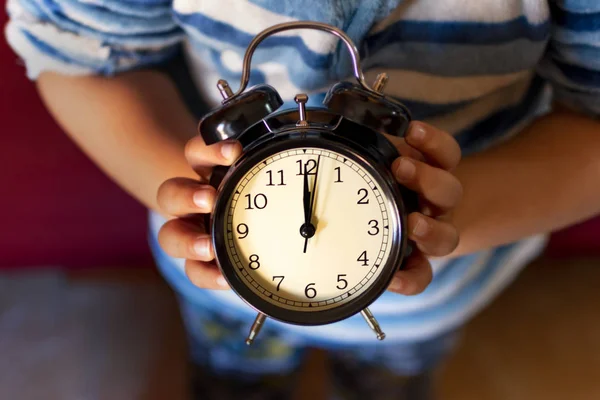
(58, 208)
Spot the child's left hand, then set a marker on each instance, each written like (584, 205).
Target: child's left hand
(428, 155)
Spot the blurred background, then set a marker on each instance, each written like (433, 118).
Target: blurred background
(84, 315)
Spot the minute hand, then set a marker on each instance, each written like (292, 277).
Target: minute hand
(308, 217)
(314, 190)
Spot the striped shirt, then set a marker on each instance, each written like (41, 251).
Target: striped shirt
(480, 69)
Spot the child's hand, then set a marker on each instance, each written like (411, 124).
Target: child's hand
(428, 156)
(187, 199)
(424, 167)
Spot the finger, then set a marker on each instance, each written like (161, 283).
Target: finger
(431, 236)
(182, 239)
(183, 196)
(200, 156)
(205, 275)
(439, 147)
(437, 186)
(414, 277)
(404, 148)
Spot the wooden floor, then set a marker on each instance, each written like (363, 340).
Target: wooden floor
(539, 340)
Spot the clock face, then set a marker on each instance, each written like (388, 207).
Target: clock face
(343, 256)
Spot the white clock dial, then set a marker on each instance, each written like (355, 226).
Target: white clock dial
(353, 222)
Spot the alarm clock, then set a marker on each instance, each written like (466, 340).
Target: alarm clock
(309, 225)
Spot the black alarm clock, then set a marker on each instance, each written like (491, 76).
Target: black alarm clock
(309, 225)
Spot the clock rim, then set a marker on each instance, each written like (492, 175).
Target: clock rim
(326, 140)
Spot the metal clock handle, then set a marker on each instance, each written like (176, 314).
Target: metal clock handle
(227, 93)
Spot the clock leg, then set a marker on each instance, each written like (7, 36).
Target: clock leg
(255, 329)
(373, 324)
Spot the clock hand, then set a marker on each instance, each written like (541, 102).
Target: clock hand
(305, 229)
(306, 199)
(309, 227)
(312, 201)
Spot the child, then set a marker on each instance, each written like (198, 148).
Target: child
(489, 75)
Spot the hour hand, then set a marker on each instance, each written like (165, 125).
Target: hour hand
(306, 200)
(307, 230)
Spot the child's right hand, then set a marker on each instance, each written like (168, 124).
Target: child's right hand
(186, 200)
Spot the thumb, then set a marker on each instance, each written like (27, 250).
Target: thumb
(200, 156)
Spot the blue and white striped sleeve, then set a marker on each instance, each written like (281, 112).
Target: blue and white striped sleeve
(91, 37)
(572, 60)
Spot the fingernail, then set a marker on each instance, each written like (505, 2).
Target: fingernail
(202, 247)
(420, 228)
(227, 150)
(417, 134)
(396, 284)
(427, 211)
(222, 282)
(201, 199)
(406, 169)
